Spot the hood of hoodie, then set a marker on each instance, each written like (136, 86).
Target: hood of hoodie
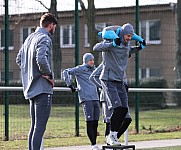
(126, 29)
(87, 57)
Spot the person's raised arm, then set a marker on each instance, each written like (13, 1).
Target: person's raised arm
(135, 49)
(94, 77)
(67, 76)
(103, 46)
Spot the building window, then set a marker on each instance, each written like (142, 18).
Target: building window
(149, 72)
(150, 31)
(25, 32)
(154, 72)
(67, 36)
(143, 73)
(10, 39)
(99, 27)
(2, 76)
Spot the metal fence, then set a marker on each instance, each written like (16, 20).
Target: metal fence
(62, 122)
(157, 22)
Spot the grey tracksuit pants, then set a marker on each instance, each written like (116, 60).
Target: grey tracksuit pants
(40, 107)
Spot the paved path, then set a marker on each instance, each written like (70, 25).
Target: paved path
(139, 145)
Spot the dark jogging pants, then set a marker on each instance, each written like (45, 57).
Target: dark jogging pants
(40, 107)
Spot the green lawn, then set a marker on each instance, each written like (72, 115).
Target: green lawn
(153, 124)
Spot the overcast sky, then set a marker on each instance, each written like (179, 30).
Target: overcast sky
(31, 6)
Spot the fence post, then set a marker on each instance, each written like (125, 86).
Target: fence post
(6, 70)
(137, 71)
(76, 63)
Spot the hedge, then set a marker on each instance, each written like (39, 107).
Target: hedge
(146, 99)
(149, 99)
(16, 97)
(177, 95)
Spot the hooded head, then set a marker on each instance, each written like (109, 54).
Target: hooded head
(87, 57)
(126, 29)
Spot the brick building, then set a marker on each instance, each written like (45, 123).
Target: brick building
(157, 25)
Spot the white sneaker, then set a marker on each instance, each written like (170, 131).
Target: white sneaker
(115, 136)
(112, 140)
(95, 147)
(107, 139)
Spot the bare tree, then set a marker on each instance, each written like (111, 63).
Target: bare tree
(57, 55)
(178, 53)
(89, 14)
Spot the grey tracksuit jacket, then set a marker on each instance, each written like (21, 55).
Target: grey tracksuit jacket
(94, 77)
(86, 89)
(115, 59)
(34, 59)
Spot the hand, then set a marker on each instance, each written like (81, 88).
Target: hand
(49, 78)
(52, 82)
(116, 42)
(126, 87)
(73, 89)
(142, 44)
(129, 56)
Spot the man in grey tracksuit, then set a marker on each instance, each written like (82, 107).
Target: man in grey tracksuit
(106, 113)
(34, 59)
(115, 56)
(104, 98)
(88, 95)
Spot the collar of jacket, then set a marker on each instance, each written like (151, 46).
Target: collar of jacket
(88, 66)
(42, 30)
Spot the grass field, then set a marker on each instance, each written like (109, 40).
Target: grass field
(153, 124)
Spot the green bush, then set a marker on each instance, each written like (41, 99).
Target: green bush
(177, 95)
(14, 97)
(63, 97)
(149, 99)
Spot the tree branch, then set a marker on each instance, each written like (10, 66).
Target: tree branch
(42, 4)
(82, 6)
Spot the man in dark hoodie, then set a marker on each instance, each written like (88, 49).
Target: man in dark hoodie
(115, 56)
(88, 95)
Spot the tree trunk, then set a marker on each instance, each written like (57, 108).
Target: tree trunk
(57, 55)
(178, 53)
(91, 29)
(90, 21)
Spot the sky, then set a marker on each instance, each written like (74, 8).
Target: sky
(32, 6)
